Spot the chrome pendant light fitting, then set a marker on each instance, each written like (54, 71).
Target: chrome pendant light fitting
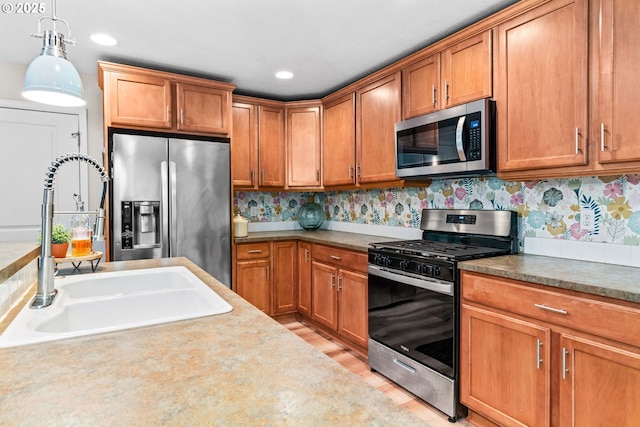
(51, 78)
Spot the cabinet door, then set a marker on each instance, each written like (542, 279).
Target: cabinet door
(324, 301)
(504, 368)
(339, 141)
(139, 100)
(377, 112)
(600, 385)
(619, 90)
(353, 298)
(304, 278)
(202, 109)
(254, 283)
(466, 70)
(285, 277)
(420, 87)
(542, 96)
(271, 146)
(244, 145)
(303, 147)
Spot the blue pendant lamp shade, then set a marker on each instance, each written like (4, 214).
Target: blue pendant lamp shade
(51, 78)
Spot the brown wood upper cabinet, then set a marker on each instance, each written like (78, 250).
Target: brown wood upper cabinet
(339, 140)
(619, 91)
(202, 109)
(567, 90)
(377, 112)
(139, 98)
(459, 74)
(258, 143)
(304, 160)
(276, 144)
(542, 95)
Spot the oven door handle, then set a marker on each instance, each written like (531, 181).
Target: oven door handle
(441, 288)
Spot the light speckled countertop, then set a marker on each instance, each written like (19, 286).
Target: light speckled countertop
(615, 281)
(15, 255)
(241, 368)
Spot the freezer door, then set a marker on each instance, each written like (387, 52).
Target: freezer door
(200, 205)
(139, 166)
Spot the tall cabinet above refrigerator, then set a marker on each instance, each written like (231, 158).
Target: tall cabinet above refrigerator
(171, 197)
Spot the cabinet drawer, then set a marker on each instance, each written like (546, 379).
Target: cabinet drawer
(352, 260)
(253, 250)
(609, 320)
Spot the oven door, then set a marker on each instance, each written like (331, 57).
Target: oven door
(414, 316)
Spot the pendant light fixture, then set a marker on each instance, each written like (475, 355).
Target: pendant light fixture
(51, 78)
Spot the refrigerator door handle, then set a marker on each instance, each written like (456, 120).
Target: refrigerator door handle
(165, 209)
(173, 233)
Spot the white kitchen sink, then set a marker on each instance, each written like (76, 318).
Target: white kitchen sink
(105, 302)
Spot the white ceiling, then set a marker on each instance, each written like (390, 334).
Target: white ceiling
(325, 43)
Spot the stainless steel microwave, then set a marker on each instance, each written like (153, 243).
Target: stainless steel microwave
(458, 141)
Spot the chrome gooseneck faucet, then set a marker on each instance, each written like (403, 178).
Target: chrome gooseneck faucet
(45, 293)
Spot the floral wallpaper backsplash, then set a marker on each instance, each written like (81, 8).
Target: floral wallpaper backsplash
(546, 208)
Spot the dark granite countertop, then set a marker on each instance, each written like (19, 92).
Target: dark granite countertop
(609, 280)
(354, 241)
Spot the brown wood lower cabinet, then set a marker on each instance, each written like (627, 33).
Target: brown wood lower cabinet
(532, 355)
(339, 292)
(304, 278)
(266, 275)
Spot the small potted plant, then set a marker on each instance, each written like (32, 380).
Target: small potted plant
(60, 238)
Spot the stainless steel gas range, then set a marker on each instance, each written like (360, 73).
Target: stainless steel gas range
(414, 299)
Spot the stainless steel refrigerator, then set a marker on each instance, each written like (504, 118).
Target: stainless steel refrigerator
(171, 197)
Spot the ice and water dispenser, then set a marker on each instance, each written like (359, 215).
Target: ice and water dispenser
(141, 224)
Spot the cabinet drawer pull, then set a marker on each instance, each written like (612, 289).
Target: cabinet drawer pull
(255, 251)
(554, 310)
(182, 116)
(331, 280)
(404, 365)
(340, 279)
(306, 255)
(577, 140)
(433, 94)
(336, 257)
(602, 129)
(538, 358)
(564, 363)
(446, 90)
(252, 177)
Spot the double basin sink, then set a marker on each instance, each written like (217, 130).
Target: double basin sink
(104, 302)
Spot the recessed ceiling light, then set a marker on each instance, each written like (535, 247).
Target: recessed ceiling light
(284, 74)
(104, 39)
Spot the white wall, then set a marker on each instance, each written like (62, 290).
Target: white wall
(11, 88)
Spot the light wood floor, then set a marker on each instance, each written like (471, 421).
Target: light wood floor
(357, 364)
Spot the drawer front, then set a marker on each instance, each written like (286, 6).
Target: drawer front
(253, 250)
(608, 320)
(352, 260)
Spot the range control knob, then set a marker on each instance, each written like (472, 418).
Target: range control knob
(404, 264)
(387, 261)
(425, 269)
(436, 271)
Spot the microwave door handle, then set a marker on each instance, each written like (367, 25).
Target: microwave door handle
(459, 141)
